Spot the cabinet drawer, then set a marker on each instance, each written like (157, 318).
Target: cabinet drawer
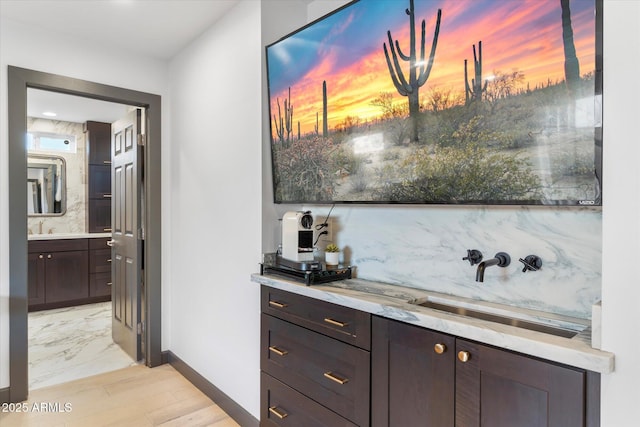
(281, 405)
(100, 284)
(58, 245)
(99, 243)
(343, 323)
(333, 373)
(100, 261)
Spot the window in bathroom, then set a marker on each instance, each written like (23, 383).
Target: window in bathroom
(50, 142)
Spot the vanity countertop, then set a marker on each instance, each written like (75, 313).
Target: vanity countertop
(56, 236)
(391, 301)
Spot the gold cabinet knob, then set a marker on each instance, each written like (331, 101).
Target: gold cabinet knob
(463, 356)
(439, 348)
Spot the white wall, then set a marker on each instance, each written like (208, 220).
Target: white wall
(216, 204)
(621, 213)
(28, 47)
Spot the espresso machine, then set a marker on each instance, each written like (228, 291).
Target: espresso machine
(297, 241)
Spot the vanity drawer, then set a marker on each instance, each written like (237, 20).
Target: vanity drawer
(100, 284)
(343, 323)
(333, 373)
(280, 405)
(99, 243)
(100, 261)
(58, 245)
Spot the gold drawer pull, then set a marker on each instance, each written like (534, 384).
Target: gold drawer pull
(277, 412)
(106, 230)
(334, 377)
(109, 283)
(277, 304)
(335, 322)
(277, 351)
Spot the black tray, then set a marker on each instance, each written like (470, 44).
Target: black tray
(312, 277)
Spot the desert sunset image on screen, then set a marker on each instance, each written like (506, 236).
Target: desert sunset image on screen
(440, 101)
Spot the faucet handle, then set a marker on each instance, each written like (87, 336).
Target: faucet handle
(474, 256)
(531, 263)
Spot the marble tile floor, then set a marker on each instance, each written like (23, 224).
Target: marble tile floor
(71, 343)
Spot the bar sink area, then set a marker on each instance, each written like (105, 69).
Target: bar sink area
(567, 330)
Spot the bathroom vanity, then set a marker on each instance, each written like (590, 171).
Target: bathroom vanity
(361, 353)
(67, 270)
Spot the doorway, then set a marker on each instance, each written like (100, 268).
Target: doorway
(19, 80)
(70, 311)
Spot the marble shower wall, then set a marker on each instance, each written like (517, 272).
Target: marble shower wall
(73, 221)
(423, 247)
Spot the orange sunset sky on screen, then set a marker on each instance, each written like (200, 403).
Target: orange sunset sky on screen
(538, 54)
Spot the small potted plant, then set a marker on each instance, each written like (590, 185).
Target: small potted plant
(332, 254)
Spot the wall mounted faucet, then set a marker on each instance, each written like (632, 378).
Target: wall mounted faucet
(501, 259)
(474, 256)
(531, 263)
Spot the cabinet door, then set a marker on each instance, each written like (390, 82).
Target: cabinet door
(99, 215)
(99, 142)
(412, 379)
(36, 271)
(497, 388)
(100, 182)
(67, 276)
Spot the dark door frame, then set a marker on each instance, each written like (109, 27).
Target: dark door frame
(19, 79)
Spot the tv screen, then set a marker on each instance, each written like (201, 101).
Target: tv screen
(440, 102)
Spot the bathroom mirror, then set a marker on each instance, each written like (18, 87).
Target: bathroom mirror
(46, 185)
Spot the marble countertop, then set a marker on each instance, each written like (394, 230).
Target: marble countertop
(55, 236)
(392, 301)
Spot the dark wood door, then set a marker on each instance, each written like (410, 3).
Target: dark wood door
(99, 215)
(36, 271)
(412, 376)
(126, 250)
(67, 276)
(99, 142)
(497, 388)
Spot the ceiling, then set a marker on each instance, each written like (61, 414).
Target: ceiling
(158, 29)
(70, 108)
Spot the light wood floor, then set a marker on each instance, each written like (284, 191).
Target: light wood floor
(136, 396)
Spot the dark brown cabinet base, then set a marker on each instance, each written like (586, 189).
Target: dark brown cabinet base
(425, 378)
(404, 375)
(412, 384)
(59, 273)
(315, 361)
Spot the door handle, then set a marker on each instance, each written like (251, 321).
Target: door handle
(110, 242)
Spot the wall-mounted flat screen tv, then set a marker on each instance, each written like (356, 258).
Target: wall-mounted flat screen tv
(440, 102)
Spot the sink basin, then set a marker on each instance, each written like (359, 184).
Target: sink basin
(497, 318)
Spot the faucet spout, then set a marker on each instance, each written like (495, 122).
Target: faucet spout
(501, 259)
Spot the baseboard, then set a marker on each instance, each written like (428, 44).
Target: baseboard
(4, 394)
(228, 405)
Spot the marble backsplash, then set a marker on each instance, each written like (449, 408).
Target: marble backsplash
(74, 220)
(423, 247)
